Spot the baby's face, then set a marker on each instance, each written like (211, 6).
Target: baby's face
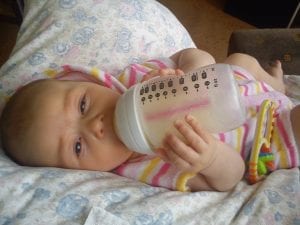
(73, 127)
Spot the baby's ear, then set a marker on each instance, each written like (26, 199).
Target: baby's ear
(77, 76)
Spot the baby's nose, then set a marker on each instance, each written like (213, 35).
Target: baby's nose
(96, 126)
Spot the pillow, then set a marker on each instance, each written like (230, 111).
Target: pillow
(99, 33)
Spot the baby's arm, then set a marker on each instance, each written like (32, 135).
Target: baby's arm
(192, 58)
(186, 60)
(218, 166)
(161, 73)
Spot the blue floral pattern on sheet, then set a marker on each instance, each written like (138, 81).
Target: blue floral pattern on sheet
(115, 196)
(110, 35)
(72, 206)
(67, 4)
(99, 33)
(123, 40)
(61, 48)
(132, 10)
(83, 35)
(163, 218)
(36, 59)
(41, 194)
(273, 196)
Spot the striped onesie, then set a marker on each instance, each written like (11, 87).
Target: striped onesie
(279, 150)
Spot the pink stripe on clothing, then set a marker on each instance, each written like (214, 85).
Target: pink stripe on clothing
(161, 172)
(242, 75)
(287, 142)
(120, 169)
(264, 87)
(107, 80)
(140, 68)
(222, 137)
(67, 68)
(132, 77)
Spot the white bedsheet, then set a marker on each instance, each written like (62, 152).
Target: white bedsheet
(99, 33)
(58, 196)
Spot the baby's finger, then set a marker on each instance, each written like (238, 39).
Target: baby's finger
(193, 138)
(174, 159)
(181, 149)
(167, 72)
(192, 121)
(151, 72)
(179, 72)
(159, 72)
(149, 75)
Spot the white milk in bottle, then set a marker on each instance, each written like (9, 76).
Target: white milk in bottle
(147, 111)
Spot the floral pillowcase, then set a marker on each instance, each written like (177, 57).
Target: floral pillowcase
(105, 34)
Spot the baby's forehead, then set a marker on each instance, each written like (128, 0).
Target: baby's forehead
(43, 90)
(38, 85)
(46, 85)
(37, 91)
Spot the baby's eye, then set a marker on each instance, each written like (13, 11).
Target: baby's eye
(82, 105)
(78, 147)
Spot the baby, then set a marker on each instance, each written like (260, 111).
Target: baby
(69, 124)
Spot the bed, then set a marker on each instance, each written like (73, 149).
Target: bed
(109, 35)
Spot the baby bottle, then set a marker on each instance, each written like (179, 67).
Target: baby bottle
(148, 110)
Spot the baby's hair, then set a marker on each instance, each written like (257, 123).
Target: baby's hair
(16, 119)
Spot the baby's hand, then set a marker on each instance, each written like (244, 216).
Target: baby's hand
(196, 153)
(162, 72)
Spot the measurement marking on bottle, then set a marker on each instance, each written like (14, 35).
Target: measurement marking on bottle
(198, 81)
